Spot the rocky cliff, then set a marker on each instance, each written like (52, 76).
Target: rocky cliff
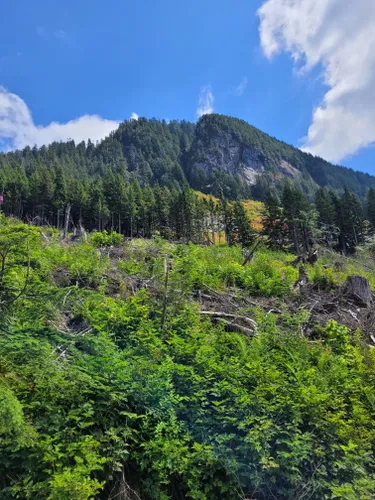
(226, 148)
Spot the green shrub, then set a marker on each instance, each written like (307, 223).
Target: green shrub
(269, 273)
(105, 239)
(323, 277)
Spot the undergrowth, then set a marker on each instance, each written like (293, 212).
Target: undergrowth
(94, 382)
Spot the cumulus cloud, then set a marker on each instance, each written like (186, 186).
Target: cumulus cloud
(339, 37)
(17, 128)
(239, 91)
(134, 116)
(206, 102)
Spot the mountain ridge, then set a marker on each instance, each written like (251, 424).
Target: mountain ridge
(219, 153)
(274, 159)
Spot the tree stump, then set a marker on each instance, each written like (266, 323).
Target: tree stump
(303, 278)
(358, 289)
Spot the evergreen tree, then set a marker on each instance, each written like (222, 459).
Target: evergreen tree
(98, 209)
(326, 206)
(274, 223)
(294, 202)
(227, 219)
(350, 221)
(149, 206)
(370, 206)
(60, 194)
(42, 188)
(162, 205)
(243, 232)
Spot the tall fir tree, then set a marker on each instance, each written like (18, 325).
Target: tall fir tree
(370, 206)
(274, 222)
(243, 232)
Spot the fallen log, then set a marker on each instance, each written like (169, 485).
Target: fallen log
(234, 327)
(220, 314)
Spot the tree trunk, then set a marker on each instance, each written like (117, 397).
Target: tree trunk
(295, 239)
(306, 245)
(67, 219)
(329, 239)
(165, 303)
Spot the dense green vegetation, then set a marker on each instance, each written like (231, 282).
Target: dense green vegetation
(337, 222)
(113, 383)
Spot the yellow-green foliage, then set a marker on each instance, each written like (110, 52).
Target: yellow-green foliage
(254, 210)
(80, 265)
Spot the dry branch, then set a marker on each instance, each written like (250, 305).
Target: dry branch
(234, 327)
(220, 314)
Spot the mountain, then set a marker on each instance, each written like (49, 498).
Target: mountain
(217, 154)
(229, 151)
(225, 153)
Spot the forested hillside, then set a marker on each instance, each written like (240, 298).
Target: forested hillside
(229, 152)
(219, 155)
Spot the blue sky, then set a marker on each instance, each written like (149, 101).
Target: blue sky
(60, 61)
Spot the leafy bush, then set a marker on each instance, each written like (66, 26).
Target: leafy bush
(80, 265)
(105, 239)
(323, 277)
(219, 267)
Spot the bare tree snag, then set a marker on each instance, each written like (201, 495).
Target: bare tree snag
(67, 219)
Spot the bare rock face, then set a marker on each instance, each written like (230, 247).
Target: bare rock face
(358, 289)
(225, 152)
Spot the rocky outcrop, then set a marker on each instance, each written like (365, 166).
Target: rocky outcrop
(225, 152)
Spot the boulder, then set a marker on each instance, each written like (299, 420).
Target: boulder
(358, 289)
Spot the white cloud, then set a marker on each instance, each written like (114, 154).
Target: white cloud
(206, 102)
(339, 37)
(17, 128)
(134, 116)
(239, 91)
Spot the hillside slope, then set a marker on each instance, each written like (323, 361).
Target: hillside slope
(219, 153)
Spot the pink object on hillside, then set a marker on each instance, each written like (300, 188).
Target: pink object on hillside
(1, 198)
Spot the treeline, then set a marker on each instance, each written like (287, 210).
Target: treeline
(135, 182)
(117, 202)
(114, 199)
(150, 150)
(339, 222)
